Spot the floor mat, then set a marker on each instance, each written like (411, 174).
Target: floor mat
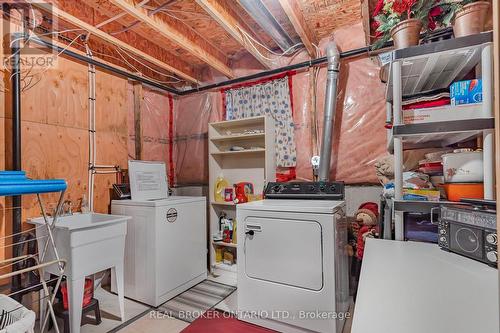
(215, 321)
(194, 302)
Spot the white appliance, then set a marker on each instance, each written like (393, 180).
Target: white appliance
(292, 265)
(166, 247)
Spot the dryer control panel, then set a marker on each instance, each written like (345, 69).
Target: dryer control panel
(305, 190)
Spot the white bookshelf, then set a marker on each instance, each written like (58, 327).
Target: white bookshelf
(255, 164)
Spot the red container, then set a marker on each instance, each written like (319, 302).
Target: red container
(88, 293)
(431, 168)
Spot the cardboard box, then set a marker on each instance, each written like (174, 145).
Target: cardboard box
(444, 113)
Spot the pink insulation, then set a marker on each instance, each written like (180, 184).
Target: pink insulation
(191, 117)
(155, 125)
(360, 137)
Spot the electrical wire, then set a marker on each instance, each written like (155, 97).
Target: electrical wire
(56, 56)
(252, 41)
(39, 74)
(182, 20)
(265, 47)
(143, 64)
(31, 35)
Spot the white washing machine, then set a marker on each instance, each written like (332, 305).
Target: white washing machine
(165, 247)
(292, 265)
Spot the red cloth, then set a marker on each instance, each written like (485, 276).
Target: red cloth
(214, 321)
(430, 104)
(361, 243)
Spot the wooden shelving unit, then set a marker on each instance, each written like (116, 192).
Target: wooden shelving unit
(255, 164)
(224, 244)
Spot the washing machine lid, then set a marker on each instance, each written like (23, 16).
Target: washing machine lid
(172, 200)
(299, 206)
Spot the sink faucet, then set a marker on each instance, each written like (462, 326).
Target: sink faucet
(66, 208)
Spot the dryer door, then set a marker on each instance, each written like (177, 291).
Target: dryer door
(284, 251)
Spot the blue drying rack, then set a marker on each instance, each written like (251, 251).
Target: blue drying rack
(14, 183)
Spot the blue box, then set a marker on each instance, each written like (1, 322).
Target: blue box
(466, 92)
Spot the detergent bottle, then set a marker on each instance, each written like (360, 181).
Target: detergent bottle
(220, 184)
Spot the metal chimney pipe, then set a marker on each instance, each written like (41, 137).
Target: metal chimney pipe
(333, 57)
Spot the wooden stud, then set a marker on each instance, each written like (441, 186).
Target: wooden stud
(366, 19)
(138, 96)
(294, 12)
(108, 38)
(178, 33)
(228, 19)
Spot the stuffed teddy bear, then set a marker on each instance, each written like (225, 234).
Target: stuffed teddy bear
(367, 217)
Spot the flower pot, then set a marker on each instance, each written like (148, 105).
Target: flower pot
(406, 33)
(470, 19)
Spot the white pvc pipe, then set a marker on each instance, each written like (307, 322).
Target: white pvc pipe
(92, 143)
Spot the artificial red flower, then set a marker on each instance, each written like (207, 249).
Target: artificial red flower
(378, 7)
(375, 25)
(436, 11)
(401, 6)
(432, 24)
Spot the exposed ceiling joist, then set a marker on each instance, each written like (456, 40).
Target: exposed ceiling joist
(181, 35)
(229, 20)
(140, 36)
(293, 11)
(110, 39)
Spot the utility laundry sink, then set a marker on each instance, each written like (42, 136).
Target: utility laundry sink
(84, 220)
(90, 243)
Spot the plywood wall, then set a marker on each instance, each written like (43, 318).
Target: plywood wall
(55, 131)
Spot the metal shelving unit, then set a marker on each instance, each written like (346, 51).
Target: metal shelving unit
(429, 67)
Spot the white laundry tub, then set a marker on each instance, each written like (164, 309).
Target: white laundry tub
(89, 243)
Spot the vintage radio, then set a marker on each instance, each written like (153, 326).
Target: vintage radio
(470, 230)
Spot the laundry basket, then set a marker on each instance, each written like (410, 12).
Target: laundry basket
(14, 317)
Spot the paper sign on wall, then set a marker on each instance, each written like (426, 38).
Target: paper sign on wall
(148, 180)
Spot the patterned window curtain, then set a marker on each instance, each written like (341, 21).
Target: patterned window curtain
(270, 98)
